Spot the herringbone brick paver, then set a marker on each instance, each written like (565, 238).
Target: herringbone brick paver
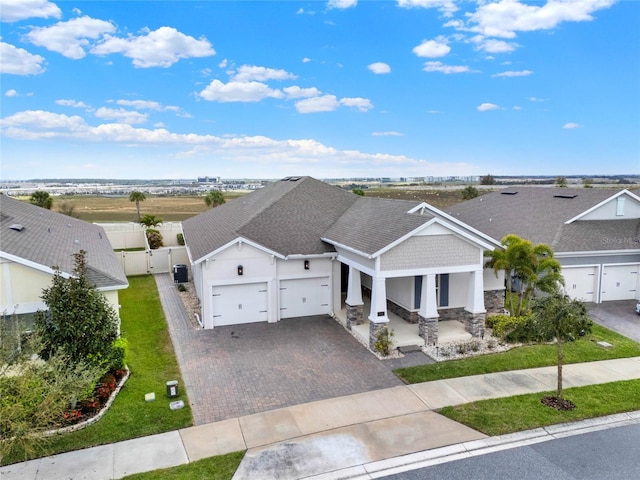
(238, 370)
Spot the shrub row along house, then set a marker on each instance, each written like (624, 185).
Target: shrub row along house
(301, 247)
(33, 240)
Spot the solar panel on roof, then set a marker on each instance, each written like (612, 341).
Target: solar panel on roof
(508, 193)
(565, 195)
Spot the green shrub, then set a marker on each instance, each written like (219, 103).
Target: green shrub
(180, 238)
(119, 353)
(384, 341)
(155, 239)
(181, 288)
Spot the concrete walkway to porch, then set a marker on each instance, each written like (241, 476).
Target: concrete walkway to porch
(405, 333)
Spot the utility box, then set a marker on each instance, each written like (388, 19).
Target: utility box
(180, 274)
(172, 389)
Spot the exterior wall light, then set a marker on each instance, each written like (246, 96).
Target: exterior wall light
(306, 264)
(240, 270)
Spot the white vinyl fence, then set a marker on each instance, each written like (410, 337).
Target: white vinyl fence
(131, 235)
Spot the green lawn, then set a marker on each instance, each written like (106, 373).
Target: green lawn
(524, 412)
(215, 468)
(152, 363)
(530, 356)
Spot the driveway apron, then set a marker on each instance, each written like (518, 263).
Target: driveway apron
(239, 370)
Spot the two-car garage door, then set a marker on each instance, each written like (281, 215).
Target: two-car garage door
(601, 283)
(248, 303)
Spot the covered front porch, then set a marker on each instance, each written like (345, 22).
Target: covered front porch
(405, 334)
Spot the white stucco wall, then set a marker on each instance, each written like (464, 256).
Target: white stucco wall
(401, 291)
(458, 288)
(21, 288)
(491, 282)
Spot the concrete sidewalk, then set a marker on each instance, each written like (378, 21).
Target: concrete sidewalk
(336, 438)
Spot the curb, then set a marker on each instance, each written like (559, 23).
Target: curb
(413, 461)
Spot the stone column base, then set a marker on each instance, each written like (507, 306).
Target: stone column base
(374, 331)
(355, 315)
(428, 329)
(474, 324)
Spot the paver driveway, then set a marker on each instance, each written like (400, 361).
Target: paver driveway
(238, 370)
(619, 316)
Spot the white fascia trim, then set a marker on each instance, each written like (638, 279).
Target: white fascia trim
(300, 256)
(234, 242)
(426, 271)
(616, 195)
(34, 265)
(112, 288)
(596, 253)
(361, 268)
(438, 212)
(347, 248)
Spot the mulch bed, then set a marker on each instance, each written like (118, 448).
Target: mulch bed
(558, 403)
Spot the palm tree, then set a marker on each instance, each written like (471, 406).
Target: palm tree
(41, 199)
(137, 197)
(533, 266)
(213, 198)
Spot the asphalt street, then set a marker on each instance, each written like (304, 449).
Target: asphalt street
(612, 454)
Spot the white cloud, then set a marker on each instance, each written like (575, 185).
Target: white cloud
(485, 107)
(342, 4)
(387, 134)
(512, 73)
(223, 63)
(491, 45)
(160, 48)
(571, 125)
(325, 103)
(433, 48)
(297, 92)
(11, 93)
(147, 105)
(435, 112)
(15, 10)
(536, 99)
(217, 91)
(71, 103)
(17, 61)
(506, 17)
(306, 60)
(447, 7)
(121, 115)
(517, 107)
(248, 73)
(362, 104)
(446, 69)
(379, 68)
(70, 38)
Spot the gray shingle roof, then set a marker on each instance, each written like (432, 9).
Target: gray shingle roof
(288, 217)
(537, 214)
(373, 223)
(50, 239)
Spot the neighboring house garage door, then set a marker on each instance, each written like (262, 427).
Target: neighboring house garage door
(234, 304)
(619, 282)
(581, 283)
(304, 297)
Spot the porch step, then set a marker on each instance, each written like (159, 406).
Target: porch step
(409, 348)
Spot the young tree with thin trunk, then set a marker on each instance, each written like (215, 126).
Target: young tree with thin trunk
(564, 319)
(41, 199)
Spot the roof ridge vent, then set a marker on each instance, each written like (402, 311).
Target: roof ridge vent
(510, 192)
(565, 195)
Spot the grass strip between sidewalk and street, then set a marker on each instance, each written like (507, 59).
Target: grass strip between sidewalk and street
(152, 362)
(221, 467)
(529, 356)
(525, 412)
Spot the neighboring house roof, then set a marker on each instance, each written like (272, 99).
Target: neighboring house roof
(541, 214)
(49, 239)
(294, 215)
(287, 217)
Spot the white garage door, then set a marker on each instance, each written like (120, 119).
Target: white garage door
(619, 282)
(581, 283)
(304, 297)
(234, 304)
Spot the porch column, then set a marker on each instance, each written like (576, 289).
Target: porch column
(428, 315)
(475, 304)
(378, 319)
(354, 303)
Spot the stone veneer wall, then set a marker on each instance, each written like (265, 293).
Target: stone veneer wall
(458, 313)
(406, 315)
(494, 301)
(374, 331)
(355, 315)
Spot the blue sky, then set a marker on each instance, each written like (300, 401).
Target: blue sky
(344, 88)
